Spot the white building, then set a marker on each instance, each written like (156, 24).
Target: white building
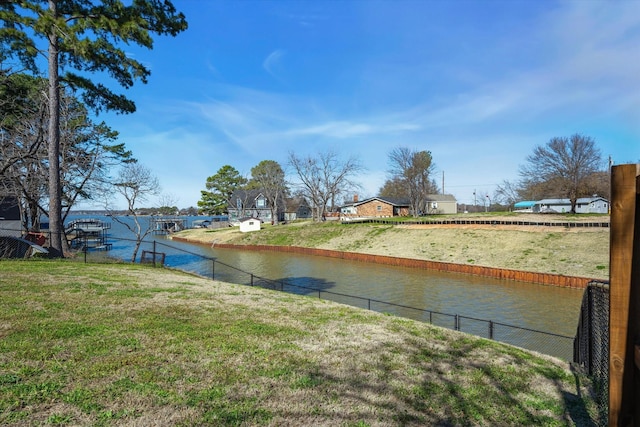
(595, 204)
(248, 224)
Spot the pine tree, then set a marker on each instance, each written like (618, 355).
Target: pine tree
(81, 38)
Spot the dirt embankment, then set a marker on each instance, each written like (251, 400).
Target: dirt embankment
(569, 251)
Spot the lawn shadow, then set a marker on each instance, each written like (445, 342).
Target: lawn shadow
(448, 384)
(308, 286)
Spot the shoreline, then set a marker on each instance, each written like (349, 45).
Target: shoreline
(548, 279)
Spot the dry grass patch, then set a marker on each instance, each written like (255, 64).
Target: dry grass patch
(131, 345)
(581, 252)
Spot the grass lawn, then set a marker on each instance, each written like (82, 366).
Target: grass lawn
(119, 344)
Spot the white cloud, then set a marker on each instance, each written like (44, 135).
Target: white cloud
(346, 129)
(272, 63)
(479, 118)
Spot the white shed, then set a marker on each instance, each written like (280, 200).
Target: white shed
(248, 224)
(441, 204)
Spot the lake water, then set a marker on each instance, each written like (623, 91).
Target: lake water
(527, 305)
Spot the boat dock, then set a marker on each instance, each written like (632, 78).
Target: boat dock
(168, 225)
(88, 233)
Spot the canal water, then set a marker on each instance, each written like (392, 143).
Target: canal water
(549, 309)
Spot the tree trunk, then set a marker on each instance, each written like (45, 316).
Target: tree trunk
(55, 195)
(33, 215)
(573, 199)
(136, 249)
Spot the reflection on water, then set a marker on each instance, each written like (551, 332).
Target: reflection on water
(529, 305)
(544, 308)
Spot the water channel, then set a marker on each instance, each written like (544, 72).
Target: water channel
(543, 308)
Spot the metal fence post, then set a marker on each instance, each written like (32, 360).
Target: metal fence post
(491, 329)
(213, 269)
(154, 253)
(590, 330)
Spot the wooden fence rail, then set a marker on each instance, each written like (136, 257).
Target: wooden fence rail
(624, 311)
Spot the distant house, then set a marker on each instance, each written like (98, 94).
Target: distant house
(254, 204)
(249, 224)
(10, 223)
(296, 208)
(387, 207)
(249, 204)
(595, 204)
(374, 207)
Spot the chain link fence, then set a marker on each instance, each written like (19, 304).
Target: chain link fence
(15, 244)
(591, 345)
(159, 253)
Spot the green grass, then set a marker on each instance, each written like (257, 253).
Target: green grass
(314, 235)
(114, 344)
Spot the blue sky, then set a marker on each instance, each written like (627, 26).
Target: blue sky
(477, 83)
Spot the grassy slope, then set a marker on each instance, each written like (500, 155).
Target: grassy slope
(128, 345)
(547, 250)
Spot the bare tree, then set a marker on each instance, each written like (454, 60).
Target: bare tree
(269, 177)
(323, 179)
(22, 144)
(23, 110)
(564, 165)
(394, 188)
(414, 169)
(87, 151)
(168, 204)
(506, 193)
(600, 183)
(135, 183)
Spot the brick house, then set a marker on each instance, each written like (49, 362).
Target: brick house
(374, 207)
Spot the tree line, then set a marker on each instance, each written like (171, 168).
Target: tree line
(564, 167)
(321, 179)
(325, 180)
